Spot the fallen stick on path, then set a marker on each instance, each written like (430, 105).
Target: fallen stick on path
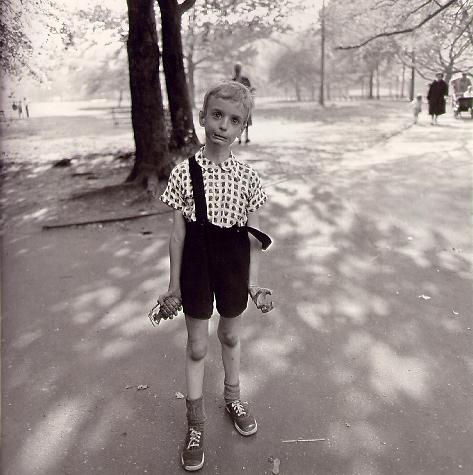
(103, 220)
(292, 441)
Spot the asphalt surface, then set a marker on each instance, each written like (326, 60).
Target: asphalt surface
(369, 348)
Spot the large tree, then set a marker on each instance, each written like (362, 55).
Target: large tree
(183, 136)
(152, 160)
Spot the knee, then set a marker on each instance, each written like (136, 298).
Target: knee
(197, 349)
(229, 339)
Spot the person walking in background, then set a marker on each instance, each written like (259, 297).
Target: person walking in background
(215, 198)
(27, 110)
(246, 82)
(461, 85)
(20, 109)
(436, 97)
(416, 107)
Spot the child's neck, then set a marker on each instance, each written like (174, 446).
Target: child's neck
(215, 153)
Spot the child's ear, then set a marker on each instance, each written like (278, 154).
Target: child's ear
(201, 118)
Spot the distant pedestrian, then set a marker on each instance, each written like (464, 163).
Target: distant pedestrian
(27, 110)
(436, 97)
(416, 107)
(246, 82)
(20, 110)
(461, 84)
(215, 198)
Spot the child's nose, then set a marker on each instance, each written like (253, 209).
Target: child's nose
(224, 123)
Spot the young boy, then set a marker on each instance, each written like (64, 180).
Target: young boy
(215, 199)
(416, 107)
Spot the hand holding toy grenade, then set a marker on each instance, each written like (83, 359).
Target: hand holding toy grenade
(261, 297)
(166, 308)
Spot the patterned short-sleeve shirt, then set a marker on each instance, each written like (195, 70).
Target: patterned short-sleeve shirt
(232, 190)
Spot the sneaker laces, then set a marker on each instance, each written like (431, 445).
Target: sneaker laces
(194, 438)
(239, 408)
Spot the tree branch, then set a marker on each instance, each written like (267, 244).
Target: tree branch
(399, 32)
(184, 6)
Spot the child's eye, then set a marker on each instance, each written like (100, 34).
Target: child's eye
(216, 114)
(235, 120)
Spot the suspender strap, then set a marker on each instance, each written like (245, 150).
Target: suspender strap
(201, 205)
(263, 238)
(198, 190)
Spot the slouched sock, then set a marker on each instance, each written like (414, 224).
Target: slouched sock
(231, 392)
(196, 413)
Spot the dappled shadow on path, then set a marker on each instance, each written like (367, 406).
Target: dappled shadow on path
(369, 347)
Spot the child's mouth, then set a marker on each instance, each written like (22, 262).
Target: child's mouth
(220, 137)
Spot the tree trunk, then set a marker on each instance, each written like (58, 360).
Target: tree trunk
(152, 161)
(403, 80)
(183, 136)
(370, 92)
(413, 76)
(322, 55)
(377, 81)
(190, 75)
(298, 91)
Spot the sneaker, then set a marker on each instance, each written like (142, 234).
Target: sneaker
(192, 456)
(244, 422)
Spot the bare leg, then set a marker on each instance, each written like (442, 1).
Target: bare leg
(196, 351)
(229, 336)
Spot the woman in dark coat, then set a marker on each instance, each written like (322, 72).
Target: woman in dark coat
(436, 97)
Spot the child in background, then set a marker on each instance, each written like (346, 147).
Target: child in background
(416, 107)
(215, 198)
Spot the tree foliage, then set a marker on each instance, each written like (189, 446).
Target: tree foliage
(28, 27)
(219, 33)
(369, 20)
(98, 58)
(298, 67)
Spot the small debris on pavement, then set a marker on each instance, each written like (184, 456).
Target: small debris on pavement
(179, 395)
(410, 238)
(292, 441)
(347, 425)
(64, 162)
(424, 297)
(141, 387)
(455, 313)
(276, 463)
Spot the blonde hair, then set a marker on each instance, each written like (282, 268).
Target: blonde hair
(232, 91)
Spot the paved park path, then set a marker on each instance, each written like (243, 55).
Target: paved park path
(369, 348)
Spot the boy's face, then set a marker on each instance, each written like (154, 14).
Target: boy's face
(224, 121)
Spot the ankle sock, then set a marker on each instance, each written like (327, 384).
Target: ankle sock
(231, 392)
(196, 413)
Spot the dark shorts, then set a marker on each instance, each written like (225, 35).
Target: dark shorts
(215, 265)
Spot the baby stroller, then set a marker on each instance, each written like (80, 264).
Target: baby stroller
(462, 98)
(460, 104)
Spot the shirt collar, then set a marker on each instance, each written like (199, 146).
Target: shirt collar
(227, 166)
